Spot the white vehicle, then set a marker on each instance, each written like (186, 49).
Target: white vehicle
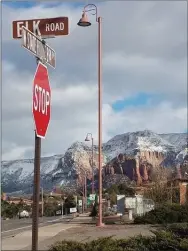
(23, 214)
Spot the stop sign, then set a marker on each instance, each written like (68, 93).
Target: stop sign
(41, 100)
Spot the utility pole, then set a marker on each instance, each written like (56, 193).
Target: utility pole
(93, 185)
(171, 192)
(92, 160)
(85, 190)
(42, 192)
(62, 208)
(83, 202)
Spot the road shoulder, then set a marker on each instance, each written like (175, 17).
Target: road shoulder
(22, 241)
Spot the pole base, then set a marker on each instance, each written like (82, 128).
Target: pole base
(100, 224)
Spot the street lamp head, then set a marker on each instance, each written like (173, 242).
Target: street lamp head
(84, 22)
(87, 138)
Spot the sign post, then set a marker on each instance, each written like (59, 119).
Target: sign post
(41, 113)
(36, 193)
(33, 33)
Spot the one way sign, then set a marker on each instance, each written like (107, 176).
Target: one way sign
(57, 26)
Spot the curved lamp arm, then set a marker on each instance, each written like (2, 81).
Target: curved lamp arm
(95, 9)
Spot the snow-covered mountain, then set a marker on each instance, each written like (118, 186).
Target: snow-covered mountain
(179, 140)
(67, 169)
(17, 175)
(130, 143)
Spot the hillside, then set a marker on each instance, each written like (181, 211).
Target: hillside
(146, 148)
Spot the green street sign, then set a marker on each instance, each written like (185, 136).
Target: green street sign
(92, 197)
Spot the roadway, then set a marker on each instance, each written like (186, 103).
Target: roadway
(13, 227)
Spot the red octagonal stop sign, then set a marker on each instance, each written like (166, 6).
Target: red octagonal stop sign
(41, 100)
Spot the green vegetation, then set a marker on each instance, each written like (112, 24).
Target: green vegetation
(174, 213)
(94, 211)
(120, 189)
(10, 210)
(160, 192)
(170, 238)
(112, 192)
(51, 206)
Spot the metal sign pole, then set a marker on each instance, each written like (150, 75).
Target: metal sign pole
(42, 209)
(36, 187)
(43, 52)
(36, 193)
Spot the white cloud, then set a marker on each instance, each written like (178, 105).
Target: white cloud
(144, 50)
(16, 152)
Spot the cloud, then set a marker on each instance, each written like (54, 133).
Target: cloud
(144, 51)
(16, 152)
(161, 119)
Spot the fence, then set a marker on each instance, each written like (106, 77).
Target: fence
(139, 205)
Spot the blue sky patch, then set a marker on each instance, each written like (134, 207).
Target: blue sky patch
(141, 99)
(20, 4)
(30, 4)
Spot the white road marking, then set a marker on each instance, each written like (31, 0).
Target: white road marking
(11, 230)
(16, 229)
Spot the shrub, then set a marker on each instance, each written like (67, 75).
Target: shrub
(94, 211)
(164, 214)
(165, 239)
(9, 210)
(180, 230)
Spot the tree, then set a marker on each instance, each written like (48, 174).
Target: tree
(70, 202)
(94, 211)
(8, 210)
(125, 190)
(113, 198)
(121, 189)
(159, 191)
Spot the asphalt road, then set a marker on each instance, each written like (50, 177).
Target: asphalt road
(16, 226)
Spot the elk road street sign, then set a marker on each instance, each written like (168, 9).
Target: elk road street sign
(41, 100)
(37, 46)
(57, 26)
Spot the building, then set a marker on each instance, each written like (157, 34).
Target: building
(182, 186)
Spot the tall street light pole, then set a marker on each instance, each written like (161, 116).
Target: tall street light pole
(92, 162)
(84, 189)
(84, 22)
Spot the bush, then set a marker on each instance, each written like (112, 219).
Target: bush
(94, 211)
(180, 230)
(9, 210)
(164, 214)
(165, 239)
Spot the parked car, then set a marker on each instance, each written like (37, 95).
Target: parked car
(23, 214)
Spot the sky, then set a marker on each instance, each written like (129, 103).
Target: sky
(144, 74)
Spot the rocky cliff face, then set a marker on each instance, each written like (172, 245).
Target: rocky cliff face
(138, 168)
(130, 156)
